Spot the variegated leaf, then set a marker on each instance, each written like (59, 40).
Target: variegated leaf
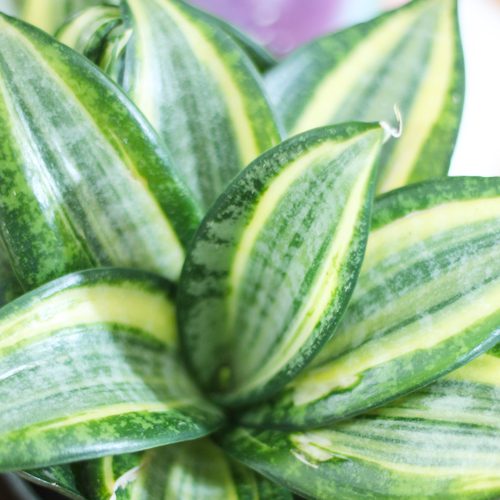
(89, 366)
(426, 302)
(200, 92)
(198, 470)
(441, 442)
(274, 263)
(411, 57)
(50, 14)
(84, 179)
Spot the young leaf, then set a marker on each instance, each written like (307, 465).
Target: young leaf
(89, 366)
(411, 57)
(87, 32)
(200, 92)
(84, 180)
(196, 470)
(274, 263)
(48, 15)
(441, 442)
(426, 302)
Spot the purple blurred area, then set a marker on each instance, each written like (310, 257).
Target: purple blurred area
(281, 25)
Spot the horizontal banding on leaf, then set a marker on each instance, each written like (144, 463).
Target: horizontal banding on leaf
(89, 366)
(273, 264)
(427, 300)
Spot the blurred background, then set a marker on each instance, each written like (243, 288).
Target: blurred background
(283, 25)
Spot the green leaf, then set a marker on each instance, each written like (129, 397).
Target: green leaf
(411, 57)
(260, 56)
(273, 265)
(441, 442)
(89, 366)
(426, 302)
(50, 14)
(84, 179)
(58, 478)
(200, 92)
(88, 31)
(9, 284)
(100, 35)
(196, 470)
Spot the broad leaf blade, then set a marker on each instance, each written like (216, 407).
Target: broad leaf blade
(427, 301)
(274, 262)
(85, 182)
(411, 57)
(89, 366)
(200, 92)
(441, 442)
(197, 470)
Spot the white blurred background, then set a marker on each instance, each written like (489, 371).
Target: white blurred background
(284, 24)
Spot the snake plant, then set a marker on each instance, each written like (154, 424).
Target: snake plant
(204, 294)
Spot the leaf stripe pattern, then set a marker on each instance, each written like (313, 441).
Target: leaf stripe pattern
(50, 14)
(411, 57)
(87, 32)
(259, 55)
(89, 366)
(440, 442)
(197, 470)
(84, 178)
(426, 302)
(200, 92)
(289, 235)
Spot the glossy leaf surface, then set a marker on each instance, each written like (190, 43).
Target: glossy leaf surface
(197, 470)
(84, 180)
(410, 57)
(274, 262)
(89, 366)
(426, 302)
(440, 442)
(200, 92)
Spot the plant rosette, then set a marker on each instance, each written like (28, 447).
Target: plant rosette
(206, 294)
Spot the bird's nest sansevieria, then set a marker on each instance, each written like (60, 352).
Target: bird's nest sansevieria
(207, 295)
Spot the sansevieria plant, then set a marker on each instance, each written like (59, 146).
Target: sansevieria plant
(206, 294)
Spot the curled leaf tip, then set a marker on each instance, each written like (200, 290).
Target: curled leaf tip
(390, 131)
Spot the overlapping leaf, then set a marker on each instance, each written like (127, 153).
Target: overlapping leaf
(200, 92)
(274, 262)
(411, 57)
(261, 57)
(58, 478)
(441, 442)
(197, 470)
(426, 302)
(84, 180)
(89, 366)
(88, 32)
(50, 14)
